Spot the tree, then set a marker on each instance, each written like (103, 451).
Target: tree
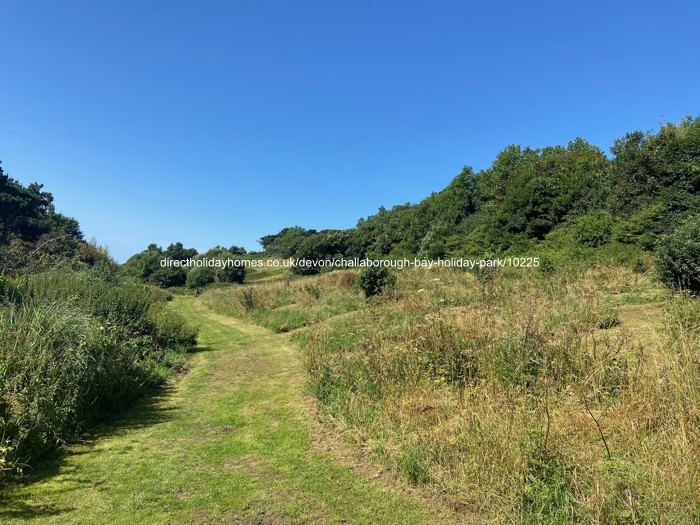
(200, 277)
(177, 252)
(325, 245)
(286, 242)
(21, 208)
(594, 229)
(142, 265)
(231, 271)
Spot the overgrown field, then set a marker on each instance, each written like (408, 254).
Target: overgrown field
(533, 397)
(289, 304)
(74, 348)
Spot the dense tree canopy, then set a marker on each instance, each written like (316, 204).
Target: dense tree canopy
(574, 192)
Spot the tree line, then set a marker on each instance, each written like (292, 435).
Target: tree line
(569, 201)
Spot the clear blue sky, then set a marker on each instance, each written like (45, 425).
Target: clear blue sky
(217, 122)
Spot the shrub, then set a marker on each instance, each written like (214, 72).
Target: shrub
(168, 277)
(678, 257)
(594, 229)
(72, 349)
(374, 280)
(231, 274)
(547, 265)
(248, 299)
(200, 277)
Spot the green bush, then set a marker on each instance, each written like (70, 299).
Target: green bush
(200, 277)
(168, 277)
(594, 229)
(678, 257)
(73, 349)
(231, 274)
(374, 280)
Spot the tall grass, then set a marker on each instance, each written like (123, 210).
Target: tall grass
(286, 305)
(73, 350)
(531, 398)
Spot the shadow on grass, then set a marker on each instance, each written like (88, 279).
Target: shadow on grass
(199, 349)
(20, 509)
(147, 412)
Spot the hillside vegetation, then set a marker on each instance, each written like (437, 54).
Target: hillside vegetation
(78, 342)
(569, 202)
(558, 397)
(565, 393)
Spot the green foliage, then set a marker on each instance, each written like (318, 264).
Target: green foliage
(678, 257)
(142, 265)
(412, 464)
(237, 250)
(594, 229)
(546, 186)
(147, 266)
(644, 227)
(650, 168)
(641, 194)
(375, 279)
(200, 277)
(33, 236)
(286, 242)
(221, 268)
(231, 274)
(22, 210)
(73, 348)
(168, 277)
(8, 290)
(548, 491)
(326, 245)
(248, 299)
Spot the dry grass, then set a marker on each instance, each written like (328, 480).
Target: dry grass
(288, 304)
(568, 397)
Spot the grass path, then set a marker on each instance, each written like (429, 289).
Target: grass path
(231, 443)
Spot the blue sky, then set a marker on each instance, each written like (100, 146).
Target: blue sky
(217, 122)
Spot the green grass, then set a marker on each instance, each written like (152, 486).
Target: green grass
(73, 349)
(234, 441)
(563, 398)
(289, 304)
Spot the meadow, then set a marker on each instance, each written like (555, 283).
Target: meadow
(530, 396)
(565, 393)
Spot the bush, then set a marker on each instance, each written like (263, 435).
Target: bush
(168, 277)
(678, 257)
(374, 280)
(72, 349)
(200, 277)
(594, 229)
(231, 274)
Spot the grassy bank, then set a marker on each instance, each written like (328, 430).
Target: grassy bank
(74, 350)
(531, 397)
(288, 304)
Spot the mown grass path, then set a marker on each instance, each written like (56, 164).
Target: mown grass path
(232, 442)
